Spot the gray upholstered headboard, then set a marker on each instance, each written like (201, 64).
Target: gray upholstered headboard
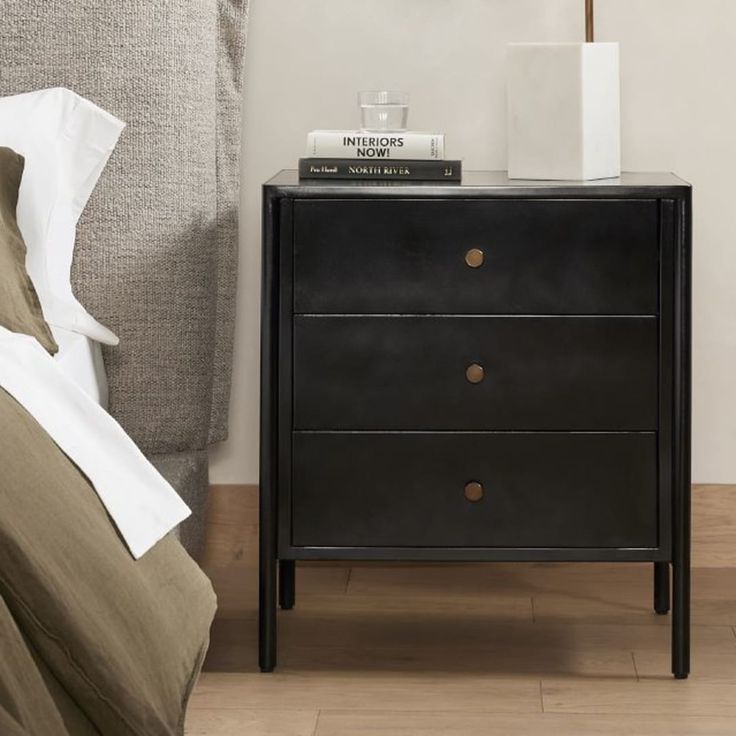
(157, 245)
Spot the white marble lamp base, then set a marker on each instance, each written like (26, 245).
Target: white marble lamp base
(563, 111)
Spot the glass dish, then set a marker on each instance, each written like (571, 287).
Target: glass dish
(383, 110)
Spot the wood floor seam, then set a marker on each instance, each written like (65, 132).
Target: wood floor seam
(551, 715)
(347, 580)
(636, 671)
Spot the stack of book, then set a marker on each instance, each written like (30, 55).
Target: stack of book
(359, 154)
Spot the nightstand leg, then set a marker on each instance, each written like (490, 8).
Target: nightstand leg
(662, 587)
(287, 584)
(680, 620)
(681, 585)
(267, 613)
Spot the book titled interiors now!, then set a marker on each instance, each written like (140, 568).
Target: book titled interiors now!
(330, 168)
(351, 144)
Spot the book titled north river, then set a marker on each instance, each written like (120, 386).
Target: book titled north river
(328, 168)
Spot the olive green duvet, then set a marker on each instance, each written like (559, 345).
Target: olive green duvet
(91, 640)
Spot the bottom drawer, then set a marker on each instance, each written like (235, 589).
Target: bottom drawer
(474, 489)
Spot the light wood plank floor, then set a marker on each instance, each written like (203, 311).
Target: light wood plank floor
(466, 650)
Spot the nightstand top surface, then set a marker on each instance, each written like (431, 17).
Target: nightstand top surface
(495, 182)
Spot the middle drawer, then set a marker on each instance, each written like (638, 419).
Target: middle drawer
(473, 373)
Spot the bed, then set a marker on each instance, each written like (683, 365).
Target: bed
(93, 640)
(155, 259)
(104, 617)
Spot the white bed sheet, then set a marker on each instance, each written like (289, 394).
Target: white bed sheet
(140, 501)
(80, 359)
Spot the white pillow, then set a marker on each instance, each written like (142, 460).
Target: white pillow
(66, 141)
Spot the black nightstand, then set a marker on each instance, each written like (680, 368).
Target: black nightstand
(496, 370)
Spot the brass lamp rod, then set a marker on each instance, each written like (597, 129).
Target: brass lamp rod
(589, 26)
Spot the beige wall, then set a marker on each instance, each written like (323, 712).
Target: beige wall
(307, 58)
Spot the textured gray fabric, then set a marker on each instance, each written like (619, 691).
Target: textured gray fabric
(156, 251)
(233, 18)
(187, 472)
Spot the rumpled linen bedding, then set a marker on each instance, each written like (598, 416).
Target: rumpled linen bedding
(93, 641)
(141, 503)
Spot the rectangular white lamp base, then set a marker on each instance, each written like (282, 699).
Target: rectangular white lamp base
(564, 118)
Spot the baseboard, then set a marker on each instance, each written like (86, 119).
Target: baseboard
(714, 525)
(232, 526)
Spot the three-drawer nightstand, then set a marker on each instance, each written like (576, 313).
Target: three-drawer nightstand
(492, 370)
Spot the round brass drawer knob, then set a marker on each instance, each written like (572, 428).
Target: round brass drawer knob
(474, 258)
(475, 373)
(474, 491)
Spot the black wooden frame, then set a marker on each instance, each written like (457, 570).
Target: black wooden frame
(674, 397)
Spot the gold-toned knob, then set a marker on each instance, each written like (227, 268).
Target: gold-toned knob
(474, 491)
(474, 258)
(475, 373)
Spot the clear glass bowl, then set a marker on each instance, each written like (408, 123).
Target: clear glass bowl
(383, 110)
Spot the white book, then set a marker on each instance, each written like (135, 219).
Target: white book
(363, 144)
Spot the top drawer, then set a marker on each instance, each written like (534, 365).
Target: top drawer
(537, 256)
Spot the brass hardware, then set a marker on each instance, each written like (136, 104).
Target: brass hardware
(475, 373)
(589, 22)
(474, 258)
(474, 491)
